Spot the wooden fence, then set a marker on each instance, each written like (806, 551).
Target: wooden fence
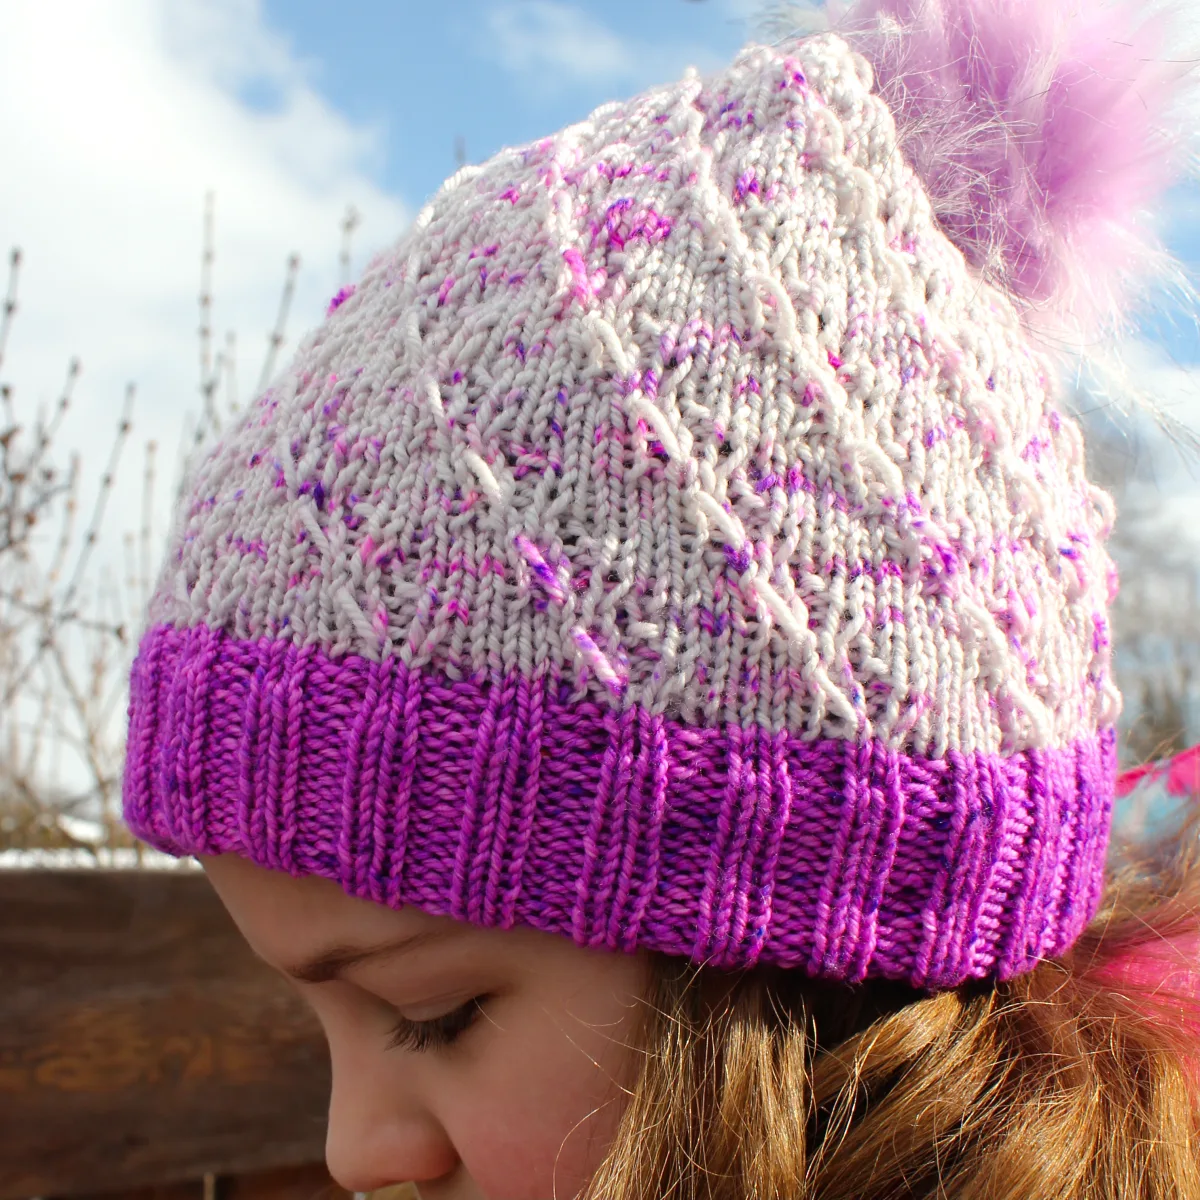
(145, 1052)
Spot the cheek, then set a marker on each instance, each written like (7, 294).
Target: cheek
(536, 1118)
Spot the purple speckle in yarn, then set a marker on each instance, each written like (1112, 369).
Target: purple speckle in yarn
(746, 185)
(738, 558)
(795, 76)
(343, 294)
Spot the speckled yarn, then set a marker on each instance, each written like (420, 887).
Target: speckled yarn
(669, 543)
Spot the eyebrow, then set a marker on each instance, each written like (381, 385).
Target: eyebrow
(330, 964)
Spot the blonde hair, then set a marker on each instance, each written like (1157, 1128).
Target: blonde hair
(1079, 1079)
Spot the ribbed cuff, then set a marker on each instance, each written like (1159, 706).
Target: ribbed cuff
(502, 802)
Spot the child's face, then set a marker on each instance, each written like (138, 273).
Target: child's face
(516, 1099)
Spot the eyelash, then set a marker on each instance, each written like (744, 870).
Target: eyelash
(442, 1031)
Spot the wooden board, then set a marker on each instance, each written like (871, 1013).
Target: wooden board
(285, 1183)
(141, 1042)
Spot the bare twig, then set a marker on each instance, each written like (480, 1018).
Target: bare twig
(278, 333)
(67, 529)
(350, 223)
(208, 377)
(231, 397)
(147, 530)
(58, 611)
(10, 308)
(103, 493)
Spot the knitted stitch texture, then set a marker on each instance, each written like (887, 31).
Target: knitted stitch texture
(669, 543)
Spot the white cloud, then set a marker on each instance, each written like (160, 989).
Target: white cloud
(1175, 388)
(541, 36)
(758, 12)
(549, 45)
(1162, 465)
(115, 119)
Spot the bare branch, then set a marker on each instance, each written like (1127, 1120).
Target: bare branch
(10, 308)
(350, 223)
(208, 377)
(278, 333)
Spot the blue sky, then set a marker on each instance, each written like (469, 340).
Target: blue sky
(493, 73)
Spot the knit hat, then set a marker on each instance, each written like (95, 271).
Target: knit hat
(672, 542)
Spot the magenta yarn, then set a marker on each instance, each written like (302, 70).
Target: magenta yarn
(504, 802)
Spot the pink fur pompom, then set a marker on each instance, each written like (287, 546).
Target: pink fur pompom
(1046, 132)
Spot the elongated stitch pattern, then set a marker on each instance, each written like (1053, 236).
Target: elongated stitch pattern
(670, 542)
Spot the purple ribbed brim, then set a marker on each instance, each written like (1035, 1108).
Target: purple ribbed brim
(507, 803)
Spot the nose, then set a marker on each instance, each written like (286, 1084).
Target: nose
(379, 1132)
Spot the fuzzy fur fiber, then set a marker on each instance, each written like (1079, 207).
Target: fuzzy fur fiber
(1046, 133)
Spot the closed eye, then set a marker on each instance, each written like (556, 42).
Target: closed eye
(437, 1033)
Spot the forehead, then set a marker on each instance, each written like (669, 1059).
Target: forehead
(285, 918)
